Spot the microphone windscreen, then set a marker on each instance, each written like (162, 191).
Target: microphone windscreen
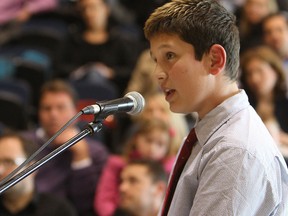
(138, 100)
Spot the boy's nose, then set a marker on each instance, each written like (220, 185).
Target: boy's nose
(160, 74)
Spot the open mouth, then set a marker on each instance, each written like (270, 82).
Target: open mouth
(169, 93)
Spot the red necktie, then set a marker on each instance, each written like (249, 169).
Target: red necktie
(184, 154)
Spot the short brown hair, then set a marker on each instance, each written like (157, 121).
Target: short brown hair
(202, 23)
(155, 169)
(57, 86)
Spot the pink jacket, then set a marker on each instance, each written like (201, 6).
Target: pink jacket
(9, 9)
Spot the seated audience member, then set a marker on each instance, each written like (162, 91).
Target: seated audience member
(142, 188)
(131, 15)
(151, 140)
(263, 79)
(157, 107)
(20, 11)
(142, 79)
(13, 14)
(23, 198)
(75, 172)
(94, 49)
(251, 15)
(275, 34)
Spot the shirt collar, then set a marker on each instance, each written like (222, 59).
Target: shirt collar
(213, 120)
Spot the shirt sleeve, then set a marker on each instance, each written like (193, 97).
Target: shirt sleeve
(233, 182)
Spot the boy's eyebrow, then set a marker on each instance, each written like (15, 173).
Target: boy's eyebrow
(160, 47)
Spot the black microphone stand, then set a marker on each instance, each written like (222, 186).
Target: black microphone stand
(91, 129)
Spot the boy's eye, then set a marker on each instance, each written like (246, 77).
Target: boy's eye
(169, 55)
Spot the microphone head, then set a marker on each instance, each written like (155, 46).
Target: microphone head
(138, 100)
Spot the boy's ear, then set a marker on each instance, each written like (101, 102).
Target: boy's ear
(217, 59)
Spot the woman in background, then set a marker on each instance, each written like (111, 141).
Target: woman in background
(262, 77)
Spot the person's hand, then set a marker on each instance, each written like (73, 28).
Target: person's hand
(79, 150)
(104, 70)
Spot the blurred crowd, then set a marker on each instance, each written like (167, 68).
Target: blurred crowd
(58, 56)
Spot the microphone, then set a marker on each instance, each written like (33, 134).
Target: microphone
(132, 103)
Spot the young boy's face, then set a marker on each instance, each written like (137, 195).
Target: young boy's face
(186, 82)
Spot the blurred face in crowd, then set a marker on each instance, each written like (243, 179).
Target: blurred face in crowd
(95, 13)
(11, 156)
(156, 107)
(260, 77)
(56, 109)
(153, 145)
(138, 193)
(276, 34)
(256, 10)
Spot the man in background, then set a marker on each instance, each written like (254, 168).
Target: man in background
(22, 198)
(142, 188)
(74, 173)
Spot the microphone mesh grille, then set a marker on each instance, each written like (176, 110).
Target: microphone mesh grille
(139, 102)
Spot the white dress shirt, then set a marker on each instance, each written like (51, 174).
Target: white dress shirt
(235, 167)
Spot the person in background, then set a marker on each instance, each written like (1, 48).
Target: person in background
(142, 188)
(151, 140)
(275, 34)
(93, 52)
(19, 11)
(23, 198)
(131, 15)
(229, 164)
(142, 79)
(156, 107)
(13, 14)
(251, 15)
(74, 173)
(262, 77)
